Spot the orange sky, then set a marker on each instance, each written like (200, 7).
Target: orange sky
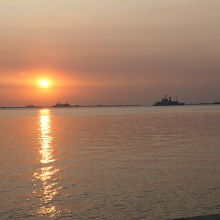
(109, 52)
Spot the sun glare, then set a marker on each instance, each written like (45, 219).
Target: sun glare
(44, 83)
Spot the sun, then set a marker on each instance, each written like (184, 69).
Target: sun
(44, 83)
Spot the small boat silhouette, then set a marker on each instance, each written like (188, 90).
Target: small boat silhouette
(62, 105)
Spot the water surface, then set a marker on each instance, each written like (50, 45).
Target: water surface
(109, 163)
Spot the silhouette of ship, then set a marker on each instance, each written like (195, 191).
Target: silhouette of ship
(167, 102)
(31, 106)
(62, 105)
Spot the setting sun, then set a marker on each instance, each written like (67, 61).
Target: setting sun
(44, 83)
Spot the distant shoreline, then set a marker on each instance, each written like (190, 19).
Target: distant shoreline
(74, 106)
(93, 106)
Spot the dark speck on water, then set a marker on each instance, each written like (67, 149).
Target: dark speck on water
(207, 217)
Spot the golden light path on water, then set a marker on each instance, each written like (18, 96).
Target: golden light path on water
(46, 174)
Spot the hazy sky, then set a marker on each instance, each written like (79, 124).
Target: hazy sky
(109, 51)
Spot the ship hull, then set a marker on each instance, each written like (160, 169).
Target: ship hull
(162, 104)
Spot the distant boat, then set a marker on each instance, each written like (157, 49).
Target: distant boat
(62, 105)
(31, 106)
(167, 102)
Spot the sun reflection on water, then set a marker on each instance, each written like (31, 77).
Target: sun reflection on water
(45, 176)
(46, 138)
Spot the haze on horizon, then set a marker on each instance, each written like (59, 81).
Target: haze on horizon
(109, 52)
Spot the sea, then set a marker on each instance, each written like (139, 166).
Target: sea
(116, 163)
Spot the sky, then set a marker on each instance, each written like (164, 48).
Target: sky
(109, 51)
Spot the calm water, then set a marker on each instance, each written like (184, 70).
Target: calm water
(109, 163)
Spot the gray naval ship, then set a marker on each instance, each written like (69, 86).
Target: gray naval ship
(167, 102)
